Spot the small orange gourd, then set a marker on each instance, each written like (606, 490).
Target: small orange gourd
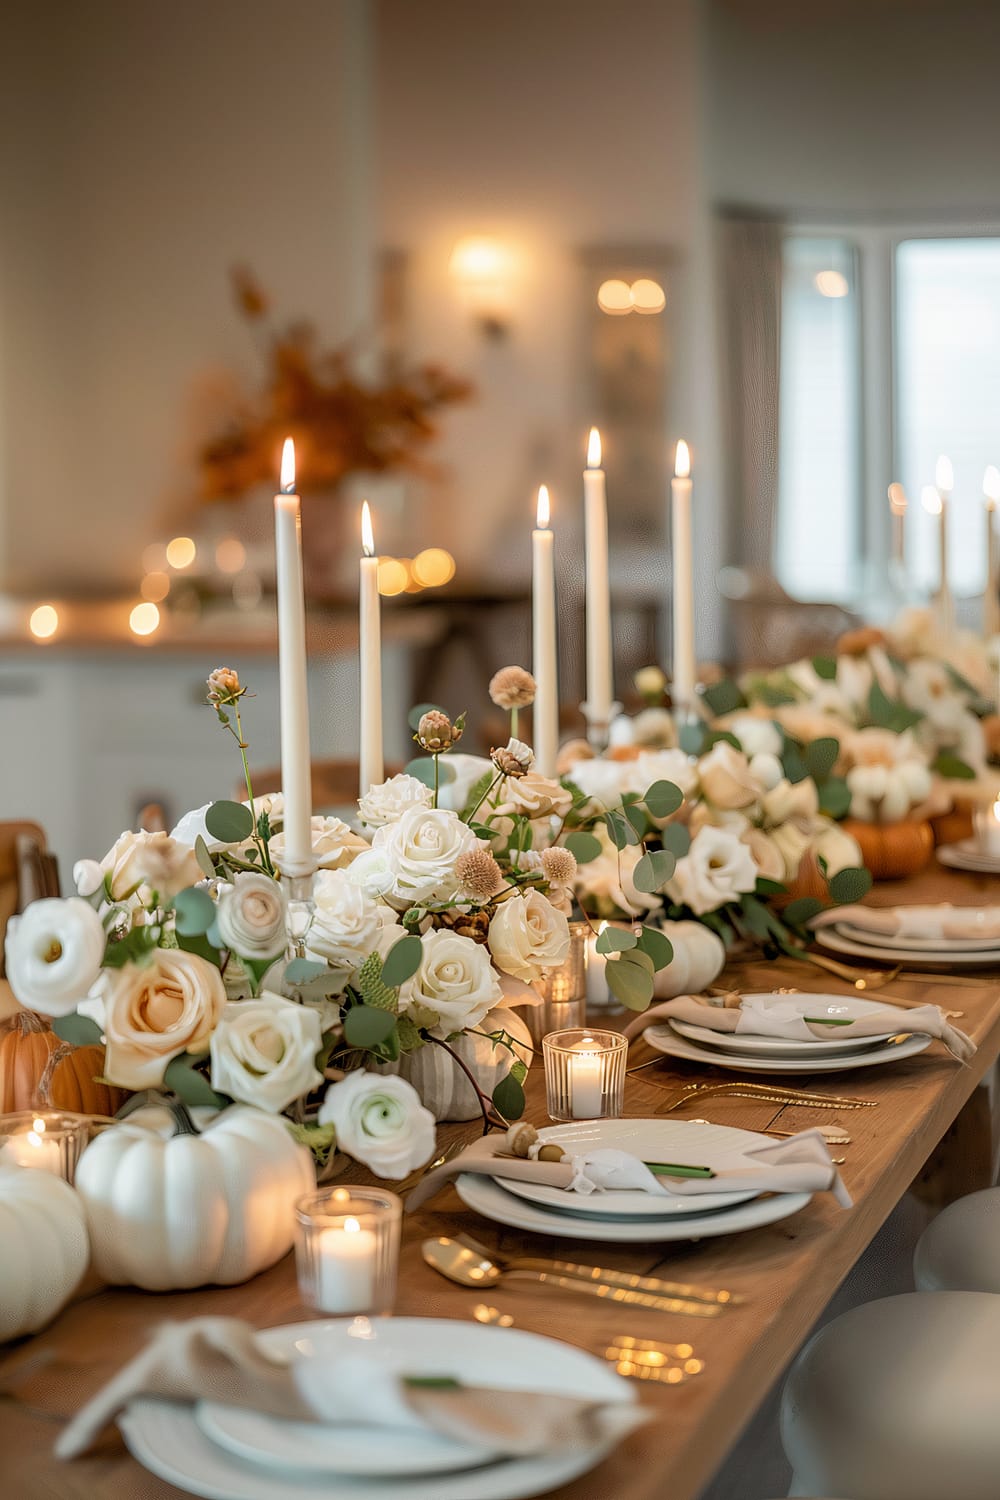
(893, 850)
(40, 1071)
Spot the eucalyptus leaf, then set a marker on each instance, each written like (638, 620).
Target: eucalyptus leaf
(657, 945)
(402, 961)
(79, 1031)
(583, 846)
(820, 757)
(663, 798)
(619, 831)
(190, 1086)
(365, 1026)
(638, 820)
(508, 1098)
(229, 822)
(793, 763)
(691, 738)
(638, 956)
(629, 984)
(301, 970)
(947, 764)
(423, 769)
(616, 940)
(204, 858)
(676, 839)
(653, 870)
(848, 886)
(825, 667)
(835, 798)
(197, 942)
(724, 697)
(797, 913)
(194, 911)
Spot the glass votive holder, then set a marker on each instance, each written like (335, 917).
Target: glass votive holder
(986, 823)
(347, 1249)
(50, 1140)
(563, 990)
(584, 1074)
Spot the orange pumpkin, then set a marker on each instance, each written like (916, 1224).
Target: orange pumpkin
(38, 1070)
(809, 881)
(893, 850)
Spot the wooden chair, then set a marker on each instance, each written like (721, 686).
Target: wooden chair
(334, 782)
(27, 871)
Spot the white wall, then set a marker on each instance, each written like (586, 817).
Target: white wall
(146, 147)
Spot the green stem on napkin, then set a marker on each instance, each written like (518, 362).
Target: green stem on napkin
(829, 1020)
(432, 1382)
(677, 1169)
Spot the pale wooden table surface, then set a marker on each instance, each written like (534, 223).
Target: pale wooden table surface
(787, 1271)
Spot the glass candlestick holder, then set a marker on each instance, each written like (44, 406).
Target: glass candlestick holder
(584, 1074)
(48, 1140)
(347, 1249)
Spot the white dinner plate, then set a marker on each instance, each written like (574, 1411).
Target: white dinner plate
(665, 1039)
(834, 1007)
(166, 1438)
(487, 1197)
(892, 941)
(963, 857)
(835, 942)
(688, 1141)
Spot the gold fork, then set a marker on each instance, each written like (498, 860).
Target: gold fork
(862, 979)
(773, 1094)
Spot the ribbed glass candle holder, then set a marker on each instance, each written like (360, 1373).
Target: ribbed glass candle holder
(347, 1249)
(49, 1140)
(563, 990)
(584, 1074)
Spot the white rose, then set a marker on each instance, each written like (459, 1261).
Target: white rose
(54, 952)
(145, 862)
(837, 849)
(347, 923)
(717, 868)
(372, 872)
(381, 1122)
(88, 877)
(334, 844)
(528, 935)
(533, 796)
(387, 802)
(251, 917)
(726, 778)
(757, 735)
(455, 980)
(606, 882)
(792, 841)
(421, 851)
(264, 1052)
(602, 781)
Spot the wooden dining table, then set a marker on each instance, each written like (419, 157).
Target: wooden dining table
(786, 1273)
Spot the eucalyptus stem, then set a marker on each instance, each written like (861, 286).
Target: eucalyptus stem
(237, 733)
(496, 780)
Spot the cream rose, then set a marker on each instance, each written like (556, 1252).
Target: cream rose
(264, 1052)
(788, 799)
(421, 850)
(528, 935)
(792, 840)
(54, 952)
(347, 922)
(717, 868)
(334, 844)
(726, 778)
(767, 856)
(381, 1122)
(602, 781)
(147, 862)
(388, 801)
(152, 1013)
(455, 980)
(533, 796)
(251, 917)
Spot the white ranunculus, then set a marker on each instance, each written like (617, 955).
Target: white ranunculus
(88, 877)
(146, 862)
(726, 778)
(836, 848)
(455, 980)
(381, 1122)
(717, 868)
(54, 951)
(264, 1052)
(251, 917)
(334, 844)
(347, 923)
(528, 935)
(757, 735)
(459, 774)
(388, 801)
(605, 884)
(421, 850)
(602, 781)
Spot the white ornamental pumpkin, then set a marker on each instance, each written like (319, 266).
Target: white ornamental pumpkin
(170, 1208)
(440, 1082)
(699, 957)
(43, 1248)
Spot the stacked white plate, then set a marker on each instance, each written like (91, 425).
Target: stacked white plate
(636, 1217)
(748, 1053)
(226, 1453)
(970, 855)
(967, 951)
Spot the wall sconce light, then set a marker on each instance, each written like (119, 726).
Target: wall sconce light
(483, 272)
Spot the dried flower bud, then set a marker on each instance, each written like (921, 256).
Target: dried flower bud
(436, 733)
(512, 687)
(857, 642)
(224, 686)
(479, 874)
(513, 759)
(520, 1138)
(559, 866)
(551, 1152)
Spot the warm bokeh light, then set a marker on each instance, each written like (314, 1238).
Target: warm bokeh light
(944, 475)
(897, 499)
(996, 810)
(614, 297)
(287, 481)
(144, 619)
(594, 449)
(930, 500)
(543, 510)
(647, 295)
(155, 586)
(44, 622)
(393, 576)
(181, 552)
(991, 484)
(682, 461)
(831, 284)
(433, 567)
(478, 258)
(230, 555)
(367, 534)
(154, 558)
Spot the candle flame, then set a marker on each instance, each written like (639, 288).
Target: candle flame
(38, 1124)
(930, 500)
(367, 535)
(996, 810)
(897, 499)
(352, 1226)
(944, 475)
(544, 509)
(991, 484)
(682, 461)
(594, 449)
(287, 481)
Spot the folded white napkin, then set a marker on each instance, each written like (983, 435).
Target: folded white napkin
(799, 1165)
(221, 1359)
(752, 1018)
(942, 921)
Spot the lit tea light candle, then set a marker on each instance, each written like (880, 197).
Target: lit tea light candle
(347, 1266)
(586, 1080)
(597, 983)
(34, 1147)
(988, 829)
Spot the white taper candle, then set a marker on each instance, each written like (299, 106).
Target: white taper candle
(543, 621)
(372, 767)
(296, 777)
(600, 661)
(684, 668)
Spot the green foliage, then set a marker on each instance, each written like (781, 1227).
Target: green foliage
(508, 1097)
(793, 763)
(229, 822)
(657, 946)
(478, 792)
(195, 942)
(204, 858)
(691, 738)
(848, 886)
(301, 970)
(194, 911)
(366, 1026)
(135, 947)
(616, 940)
(630, 984)
(79, 1031)
(820, 757)
(190, 1086)
(676, 839)
(620, 829)
(373, 990)
(825, 667)
(947, 764)
(663, 798)
(423, 769)
(889, 713)
(584, 846)
(724, 697)
(797, 913)
(653, 870)
(402, 961)
(835, 798)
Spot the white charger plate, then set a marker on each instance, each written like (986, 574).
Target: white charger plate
(666, 1040)
(747, 1044)
(892, 941)
(488, 1198)
(650, 1140)
(167, 1440)
(835, 942)
(963, 857)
